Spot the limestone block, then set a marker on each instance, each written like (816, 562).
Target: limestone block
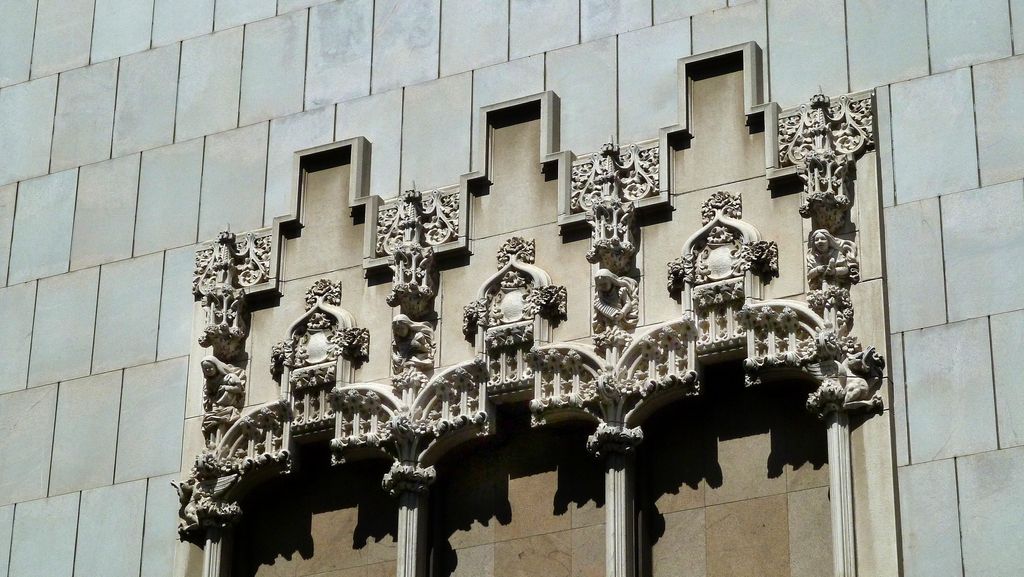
(588, 550)
(682, 548)
(949, 390)
(899, 399)
(474, 561)
(600, 18)
(866, 216)
(549, 554)
(648, 81)
(121, 27)
(930, 524)
(8, 197)
(63, 36)
(501, 83)
(273, 68)
(43, 544)
(998, 108)
(888, 42)
(208, 84)
(883, 145)
(913, 253)
(234, 174)
(668, 10)
(537, 26)
(289, 5)
(759, 528)
(1016, 9)
(85, 436)
(26, 128)
(378, 118)
(340, 43)
(874, 499)
(16, 32)
(474, 34)
(175, 20)
(722, 149)
(810, 533)
(41, 245)
(519, 196)
(730, 26)
(806, 60)
(192, 442)
(434, 112)
(147, 88)
(992, 511)
(742, 461)
(231, 13)
(16, 305)
(105, 212)
(114, 510)
(583, 76)
(85, 116)
(978, 242)
(962, 32)
(868, 298)
(934, 149)
(169, 184)
(150, 430)
(26, 436)
(128, 313)
(329, 239)
(6, 532)
(288, 135)
(160, 530)
(176, 302)
(1007, 334)
(64, 322)
(406, 42)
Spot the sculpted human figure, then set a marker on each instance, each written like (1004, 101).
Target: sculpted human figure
(414, 343)
(223, 397)
(615, 302)
(831, 261)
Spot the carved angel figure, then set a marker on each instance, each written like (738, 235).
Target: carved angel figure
(413, 344)
(223, 397)
(615, 301)
(831, 261)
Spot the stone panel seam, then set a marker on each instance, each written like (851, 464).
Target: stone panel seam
(31, 337)
(1009, 14)
(974, 118)
(95, 318)
(995, 393)
(942, 250)
(959, 524)
(53, 440)
(927, 38)
(145, 512)
(305, 82)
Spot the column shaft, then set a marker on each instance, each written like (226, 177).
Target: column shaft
(412, 534)
(620, 547)
(840, 473)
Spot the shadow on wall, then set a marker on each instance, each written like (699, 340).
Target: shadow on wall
(320, 518)
(731, 446)
(517, 498)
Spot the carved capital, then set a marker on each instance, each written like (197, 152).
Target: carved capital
(609, 439)
(405, 477)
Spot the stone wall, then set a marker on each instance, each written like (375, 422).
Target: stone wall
(131, 130)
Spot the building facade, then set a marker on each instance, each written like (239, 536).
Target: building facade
(503, 287)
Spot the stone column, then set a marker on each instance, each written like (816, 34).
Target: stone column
(616, 443)
(840, 481)
(410, 483)
(620, 546)
(217, 552)
(412, 533)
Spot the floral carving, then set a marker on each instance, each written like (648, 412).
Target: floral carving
(823, 140)
(242, 261)
(436, 211)
(407, 477)
(408, 241)
(721, 203)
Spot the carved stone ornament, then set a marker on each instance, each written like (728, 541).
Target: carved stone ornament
(435, 211)
(254, 445)
(240, 261)
(407, 236)
(606, 187)
(322, 347)
(412, 352)
(616, 309)
(832, 268)
(823, 140)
